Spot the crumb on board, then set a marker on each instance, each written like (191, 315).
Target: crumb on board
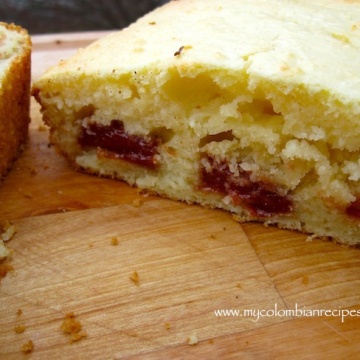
(310, 238)
(142, 192)
(71, 326)
(167, 326)
(28, 347)
(19, 329)
(192, 339)
(114, 241)
(19, 312)
(135, 278)
(4, 251)
(137, 202)
(305, 280)
(78, 336)
(9, 231)
(4, 269)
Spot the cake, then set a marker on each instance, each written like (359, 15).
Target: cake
(15, 62)
(250, 106)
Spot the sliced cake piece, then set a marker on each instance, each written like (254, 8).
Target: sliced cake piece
(250, 106)
(15, 62)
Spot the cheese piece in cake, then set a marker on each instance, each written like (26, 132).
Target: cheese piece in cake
(250, 106)
(15, 59)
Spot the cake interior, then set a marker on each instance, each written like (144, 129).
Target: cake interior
(266, 151)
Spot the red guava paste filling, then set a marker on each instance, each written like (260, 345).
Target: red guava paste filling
(260, 198)
(135, 149)
(353, 209)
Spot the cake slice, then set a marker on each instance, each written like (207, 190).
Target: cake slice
(15, 62)
(249, 106)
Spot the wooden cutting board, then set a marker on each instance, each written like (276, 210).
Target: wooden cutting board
(146, 276)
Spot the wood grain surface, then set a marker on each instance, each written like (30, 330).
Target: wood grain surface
(82, 240)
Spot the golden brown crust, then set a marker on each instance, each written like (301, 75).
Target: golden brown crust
(17, 28)
(15, 101)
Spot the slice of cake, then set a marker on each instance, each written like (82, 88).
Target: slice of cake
(251, 106)
(15, 60)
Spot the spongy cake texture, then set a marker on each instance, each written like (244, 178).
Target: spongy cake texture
(251, 106)
(15, 63)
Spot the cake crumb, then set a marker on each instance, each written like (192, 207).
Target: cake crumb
(19, 329)
(19, 312)
(305, 280)
(9, 231)
(70, 324)
(135, 278)
(78, 336)
(137, 203)
(4, 251)
(167, 326)
(27, 347)
(192, 340)
(143, 192)
(310, 238)
(114, 241)
(73, 327)
(4, 269)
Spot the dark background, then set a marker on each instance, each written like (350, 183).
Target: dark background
(54, 16)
